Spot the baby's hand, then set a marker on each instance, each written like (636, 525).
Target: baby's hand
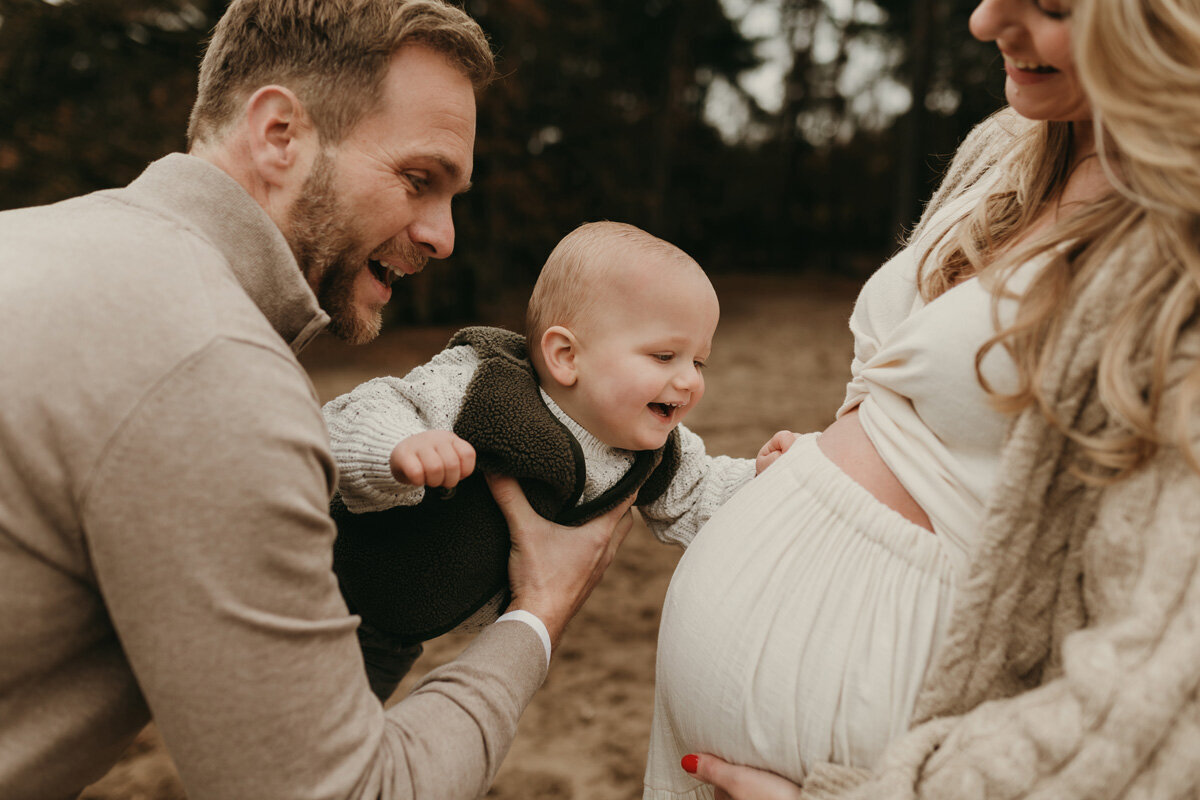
(432, 458)
(776, 446)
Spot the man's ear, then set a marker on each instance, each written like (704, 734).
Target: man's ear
(282, 140)
(560, 352)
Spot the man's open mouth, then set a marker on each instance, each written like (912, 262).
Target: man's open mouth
(381, 273)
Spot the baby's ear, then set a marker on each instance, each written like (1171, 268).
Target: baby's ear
(559, 353)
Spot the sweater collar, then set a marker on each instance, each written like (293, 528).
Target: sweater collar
(207, 199)
(592, 447)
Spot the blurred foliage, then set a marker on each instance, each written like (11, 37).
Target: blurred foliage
(92, 91)
(600, 115)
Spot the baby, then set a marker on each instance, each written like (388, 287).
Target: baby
(584, 412)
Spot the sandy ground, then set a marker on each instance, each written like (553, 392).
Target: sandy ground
(780, 360)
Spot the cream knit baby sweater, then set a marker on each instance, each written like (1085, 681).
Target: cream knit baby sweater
(367, 422)
(1072, 664)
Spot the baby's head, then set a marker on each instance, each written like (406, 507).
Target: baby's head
(620, 325)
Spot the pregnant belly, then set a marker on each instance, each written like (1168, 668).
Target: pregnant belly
(847, 445)
(799, 623)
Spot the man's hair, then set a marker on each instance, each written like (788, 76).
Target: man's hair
(567, 290)
(333, 54)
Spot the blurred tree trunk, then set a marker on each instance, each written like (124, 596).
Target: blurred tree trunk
(799, 20)
(914, 125)
(798, 25)
(676, 75)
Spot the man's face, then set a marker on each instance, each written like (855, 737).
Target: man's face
(377, 205)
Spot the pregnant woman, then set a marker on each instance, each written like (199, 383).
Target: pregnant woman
(983, 580)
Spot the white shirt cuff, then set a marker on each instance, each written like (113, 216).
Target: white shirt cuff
(532, 621)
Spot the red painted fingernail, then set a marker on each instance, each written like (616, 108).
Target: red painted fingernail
(690, 764)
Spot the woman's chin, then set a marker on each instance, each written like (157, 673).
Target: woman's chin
(1045, 109)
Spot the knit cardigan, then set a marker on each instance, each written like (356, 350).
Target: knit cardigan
(1072, 661)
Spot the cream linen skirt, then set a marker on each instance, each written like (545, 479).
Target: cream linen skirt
(797, 628)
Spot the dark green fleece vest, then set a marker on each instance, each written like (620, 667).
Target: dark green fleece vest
(416, 572)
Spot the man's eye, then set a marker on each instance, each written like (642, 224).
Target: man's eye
(418, 182)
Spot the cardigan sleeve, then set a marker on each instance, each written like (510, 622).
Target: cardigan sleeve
(367, 423)
(702, 483)
(1122, 719)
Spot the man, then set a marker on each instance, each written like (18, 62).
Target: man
(165, 474)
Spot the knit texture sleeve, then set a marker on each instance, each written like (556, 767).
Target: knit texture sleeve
(702, 483)
(1121, 717)
(367, 423)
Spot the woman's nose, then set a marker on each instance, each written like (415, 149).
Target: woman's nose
(990, 18)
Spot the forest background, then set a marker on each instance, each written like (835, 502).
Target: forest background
(759, 135)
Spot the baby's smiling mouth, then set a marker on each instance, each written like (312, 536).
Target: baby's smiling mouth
(665, 410)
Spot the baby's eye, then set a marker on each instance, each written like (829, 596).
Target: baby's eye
(700, 364)
(663, 357)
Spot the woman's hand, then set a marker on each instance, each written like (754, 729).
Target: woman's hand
(776, 446)
(735, 782)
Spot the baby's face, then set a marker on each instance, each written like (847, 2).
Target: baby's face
(640, 361)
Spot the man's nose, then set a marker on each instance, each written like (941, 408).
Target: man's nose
(433, 231)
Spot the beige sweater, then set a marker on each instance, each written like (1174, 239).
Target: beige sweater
(1072, 664)
(165, 542)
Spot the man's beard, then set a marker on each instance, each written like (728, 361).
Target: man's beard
(323, 240)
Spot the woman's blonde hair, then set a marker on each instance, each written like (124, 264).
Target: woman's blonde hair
(1139, 63)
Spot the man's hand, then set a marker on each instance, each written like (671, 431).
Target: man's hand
(432, 458)
(553, 568)
(734, 782)
(776, 446)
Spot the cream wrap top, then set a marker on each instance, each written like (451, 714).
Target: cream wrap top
(915, 384)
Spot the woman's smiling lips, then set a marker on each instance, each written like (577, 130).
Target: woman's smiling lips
(1027, 72)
